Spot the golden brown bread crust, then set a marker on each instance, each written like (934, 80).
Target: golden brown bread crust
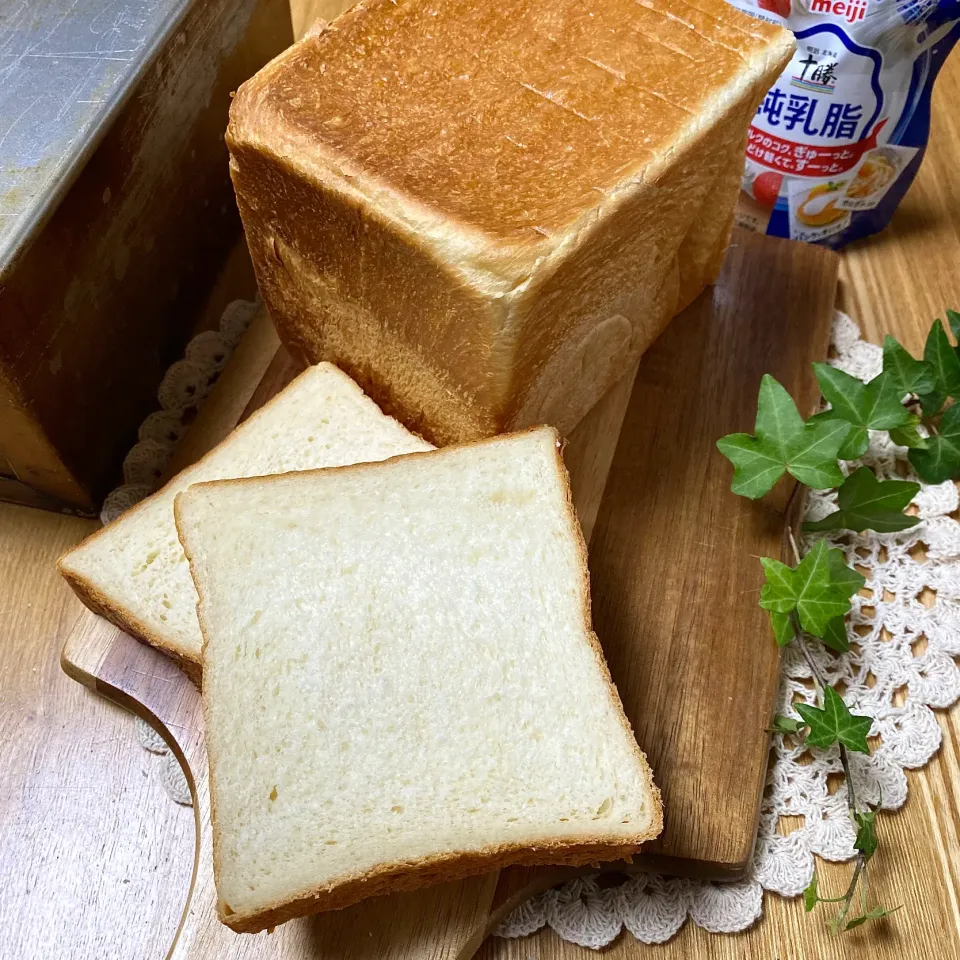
(124, 618)
(485, 214)
(505, 118)
(394, 877)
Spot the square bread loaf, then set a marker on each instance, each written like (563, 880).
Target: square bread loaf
(134, 572)
(485, 212)
(401, 683)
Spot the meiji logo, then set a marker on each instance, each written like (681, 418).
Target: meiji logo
(850, 11)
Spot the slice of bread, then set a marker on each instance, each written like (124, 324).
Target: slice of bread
(401, 683)
(134, 573)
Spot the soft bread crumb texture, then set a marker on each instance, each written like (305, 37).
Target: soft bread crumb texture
(134, 571)
(400, 674)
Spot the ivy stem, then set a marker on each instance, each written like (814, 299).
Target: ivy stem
(861, 866)
(794, 547)
(808, 656)
(821, 681)
(851, 795)
(852, 889)
(798, 634)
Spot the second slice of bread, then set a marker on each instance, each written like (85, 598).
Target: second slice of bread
(401, 681)
(134, 573)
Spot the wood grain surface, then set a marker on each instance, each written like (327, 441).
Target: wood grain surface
(87, 831)
(81, 810)
(675, 579)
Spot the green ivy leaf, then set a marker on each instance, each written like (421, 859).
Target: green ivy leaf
(856, 441)
(778, 594)
(931, 403)
(834, 723)
(845, 578)
(866, 503)
(909, 437)
(867, 406)
(953, 318)
(941, 459)
(810, 898)
(783, 442)
(807, 590)
(782, 627)
(866, 839)
(855, 446)
(910, 375)
(835, 635)
(849, 581)
(875, 913)
(939, 353)
(782, 724)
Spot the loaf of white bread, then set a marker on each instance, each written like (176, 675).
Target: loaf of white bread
(134, 572)
(484, 212)
(401, 684)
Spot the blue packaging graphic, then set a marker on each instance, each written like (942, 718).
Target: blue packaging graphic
(840, 136)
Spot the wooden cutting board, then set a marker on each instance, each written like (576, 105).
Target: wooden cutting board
(675, 586)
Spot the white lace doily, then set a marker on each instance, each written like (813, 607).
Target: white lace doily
(184, 388)
(168, 769)
(900, 665)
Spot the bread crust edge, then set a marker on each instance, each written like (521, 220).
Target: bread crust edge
(426, 871)
(124, 619)
(656, 814)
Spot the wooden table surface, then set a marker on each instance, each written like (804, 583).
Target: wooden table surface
(75, 779)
